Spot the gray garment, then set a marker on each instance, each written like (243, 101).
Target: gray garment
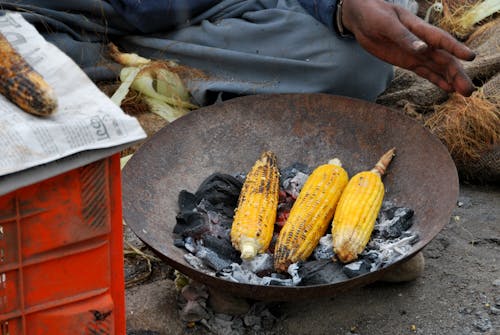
(246, 47)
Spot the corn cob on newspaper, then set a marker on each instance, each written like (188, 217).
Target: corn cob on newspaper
(86, 123)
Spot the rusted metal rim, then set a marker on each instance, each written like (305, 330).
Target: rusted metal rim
(309, 128)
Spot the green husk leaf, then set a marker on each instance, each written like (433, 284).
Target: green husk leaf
(127, 77)
(163, 109)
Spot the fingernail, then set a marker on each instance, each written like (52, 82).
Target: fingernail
(419, 45)
(473, 56)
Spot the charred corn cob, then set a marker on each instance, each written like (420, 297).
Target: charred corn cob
(253, 223)
(22, 85)
(310, 215)
(357, 210)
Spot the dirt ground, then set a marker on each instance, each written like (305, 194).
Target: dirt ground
(458, 293)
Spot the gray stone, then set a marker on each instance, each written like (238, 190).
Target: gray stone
(153, 307)
(224, 303)
(407, 271)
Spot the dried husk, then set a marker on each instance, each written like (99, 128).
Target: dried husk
(470, 128)
(460, 16)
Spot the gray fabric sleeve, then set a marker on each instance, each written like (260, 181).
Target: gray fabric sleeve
(269, 47)
(244, 46)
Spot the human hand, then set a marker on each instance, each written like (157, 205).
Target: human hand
(396, 36)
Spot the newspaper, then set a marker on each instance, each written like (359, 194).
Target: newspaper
(86, 119)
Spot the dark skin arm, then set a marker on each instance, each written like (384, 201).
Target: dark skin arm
(398, 37)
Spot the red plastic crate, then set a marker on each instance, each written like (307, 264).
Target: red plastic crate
(61, 254)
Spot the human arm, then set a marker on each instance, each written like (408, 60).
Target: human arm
(398, 37)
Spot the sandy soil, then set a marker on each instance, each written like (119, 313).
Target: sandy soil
(459, 292)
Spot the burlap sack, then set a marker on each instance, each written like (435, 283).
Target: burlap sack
(470, 128)
(475, 149)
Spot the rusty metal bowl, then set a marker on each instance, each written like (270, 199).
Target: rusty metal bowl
(309, 128)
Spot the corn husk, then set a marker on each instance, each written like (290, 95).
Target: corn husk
(156, 84)
(462, 17)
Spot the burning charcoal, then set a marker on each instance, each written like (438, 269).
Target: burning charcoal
(321, 272)
(324, 250)
(222, 247)
(212, 259)
(357, 268)
(222, 191)
(198, 264)
(392, 222)
(261, 263)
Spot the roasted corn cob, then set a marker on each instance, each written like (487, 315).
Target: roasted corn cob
(310, 215)
(254, 218)
(357, 210)
(22, 85)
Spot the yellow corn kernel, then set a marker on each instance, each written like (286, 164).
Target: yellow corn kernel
(310, 215)
(22, 85)
(254, 218)
(358, 209)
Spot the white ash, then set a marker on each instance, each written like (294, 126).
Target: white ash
(388, 251)
(211, 258)
(198, 264)
(294, 184)
(324, 250)
(207, 256)
(260, 263)
(236, 273)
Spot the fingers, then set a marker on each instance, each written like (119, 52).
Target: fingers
(435, 37)
(433, 77)
(453, 72)
(434, 52)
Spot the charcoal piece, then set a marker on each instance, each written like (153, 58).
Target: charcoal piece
(198, 264)
(394, 221)
(222, 247)
(357, 268)
(179, 242)
(222, 191)
(190, 245)
(187, 201)
(212, 259)
(192, 224)
(324, 250)
(291, 170)
(279, 282)
(321, 272)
